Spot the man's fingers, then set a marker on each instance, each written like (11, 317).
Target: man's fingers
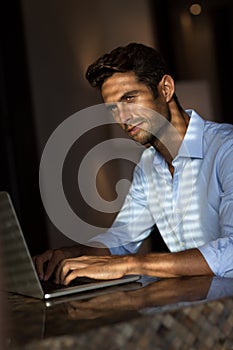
(69, 269)
(51, 267)
(65, 267)
(40, 260)
(47, 263)
(71, 276)
(93, 267)
(53, 263)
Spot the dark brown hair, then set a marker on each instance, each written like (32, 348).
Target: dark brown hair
(147, 64)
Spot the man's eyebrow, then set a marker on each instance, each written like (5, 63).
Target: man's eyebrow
(126, 94)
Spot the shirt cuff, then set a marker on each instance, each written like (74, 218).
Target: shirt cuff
(218, 255)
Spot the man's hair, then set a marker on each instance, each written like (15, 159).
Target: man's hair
(147, 64)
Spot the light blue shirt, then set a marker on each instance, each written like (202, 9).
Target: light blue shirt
(192, 209)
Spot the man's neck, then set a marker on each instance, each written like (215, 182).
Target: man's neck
(172, 135)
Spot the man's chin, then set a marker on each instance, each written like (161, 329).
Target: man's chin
(142, 140)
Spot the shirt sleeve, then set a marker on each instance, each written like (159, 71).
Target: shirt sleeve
(219, 253)
(134, 221)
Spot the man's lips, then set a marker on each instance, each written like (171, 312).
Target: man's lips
(132, 129)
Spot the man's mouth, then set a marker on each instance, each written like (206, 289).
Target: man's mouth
(133, 129)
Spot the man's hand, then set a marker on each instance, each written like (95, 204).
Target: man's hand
(47, 263)
(101, 267)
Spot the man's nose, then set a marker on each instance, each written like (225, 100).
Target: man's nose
(123, 113)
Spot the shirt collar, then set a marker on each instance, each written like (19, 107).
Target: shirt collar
(192, 144)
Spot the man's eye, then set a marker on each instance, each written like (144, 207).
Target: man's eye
(129, 98)
(112, 108)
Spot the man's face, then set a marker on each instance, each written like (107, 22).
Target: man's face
(134, 107)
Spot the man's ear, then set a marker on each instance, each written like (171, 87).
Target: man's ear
(167, 87)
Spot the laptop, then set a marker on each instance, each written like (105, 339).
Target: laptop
(19, 271)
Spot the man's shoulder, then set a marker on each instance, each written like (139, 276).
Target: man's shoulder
(211, 126)
(218, 139)
(222, 130)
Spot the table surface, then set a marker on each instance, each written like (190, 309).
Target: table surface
(176, 313)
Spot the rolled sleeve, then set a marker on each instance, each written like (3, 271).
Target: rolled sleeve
(219, 256)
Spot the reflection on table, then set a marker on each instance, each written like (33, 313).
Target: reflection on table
(137, 307)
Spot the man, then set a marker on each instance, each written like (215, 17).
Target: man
(183, 184)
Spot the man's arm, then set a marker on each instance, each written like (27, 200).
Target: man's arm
(132, 225)
(185, 263)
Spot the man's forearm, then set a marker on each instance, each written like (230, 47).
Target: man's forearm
(186, 263)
